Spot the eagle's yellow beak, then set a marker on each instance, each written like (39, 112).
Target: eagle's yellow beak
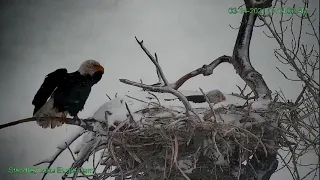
(100, 68)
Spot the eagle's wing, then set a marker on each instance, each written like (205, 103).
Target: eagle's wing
(196, 98)
(83, 99)
(80, 91)
(50, 83)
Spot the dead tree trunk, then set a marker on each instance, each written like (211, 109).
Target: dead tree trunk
(241, 57)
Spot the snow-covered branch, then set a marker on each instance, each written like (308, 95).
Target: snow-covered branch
(241, 57)
(86, 124)
(60, 148)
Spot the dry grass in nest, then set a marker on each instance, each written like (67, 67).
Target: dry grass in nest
(177, 147)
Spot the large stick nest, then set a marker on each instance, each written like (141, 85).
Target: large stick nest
(166, 144)
(200, 143)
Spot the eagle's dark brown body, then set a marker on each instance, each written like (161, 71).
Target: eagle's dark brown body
(67, 93)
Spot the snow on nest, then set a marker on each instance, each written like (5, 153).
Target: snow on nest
(261, 104)
(115, 110)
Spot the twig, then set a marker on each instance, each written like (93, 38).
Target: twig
(74, 159)
(130, 115)
(56, 155)
(253, 135)
(154, 61)
(210, 105)
(155, 97)
(108, 97)
(175, 159)
(160, 80)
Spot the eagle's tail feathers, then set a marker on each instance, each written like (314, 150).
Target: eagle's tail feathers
(47, 110)
(49, 123)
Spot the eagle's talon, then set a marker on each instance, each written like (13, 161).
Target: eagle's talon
(75, 118)
(63, 117)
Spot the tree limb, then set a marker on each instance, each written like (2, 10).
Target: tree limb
(205, 70)
(241, 59)
(166, 87)
(154, 61)
(86, 124)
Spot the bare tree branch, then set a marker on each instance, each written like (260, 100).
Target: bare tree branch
(154, 61)
(290, 60)
(241, 59)
(256, 137)
(86, 124)
(166, 88)
(205, 70)
(59, 151)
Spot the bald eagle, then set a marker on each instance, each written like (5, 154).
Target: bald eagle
(64, 93)
(214, 96)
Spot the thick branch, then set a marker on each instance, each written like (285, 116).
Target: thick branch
(258, 3)
(241, 58)
(86, 124)
(205, 70)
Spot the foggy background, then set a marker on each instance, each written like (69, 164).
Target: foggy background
(39, 36)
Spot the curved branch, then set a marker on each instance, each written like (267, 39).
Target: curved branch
(241, 57)
(205, 70)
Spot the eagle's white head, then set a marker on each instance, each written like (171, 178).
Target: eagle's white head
(89, 67)
(215, 96)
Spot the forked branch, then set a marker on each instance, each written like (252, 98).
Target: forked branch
(165, 88)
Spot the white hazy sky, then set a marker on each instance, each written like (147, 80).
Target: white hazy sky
(39, 36)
